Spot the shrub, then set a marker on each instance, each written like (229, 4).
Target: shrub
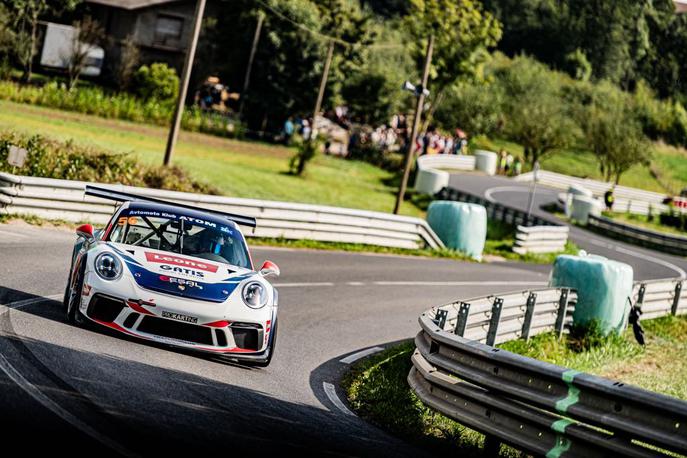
(157, 82)
(66, 160)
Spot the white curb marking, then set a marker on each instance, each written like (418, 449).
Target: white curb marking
(361, 354)
(330, 391)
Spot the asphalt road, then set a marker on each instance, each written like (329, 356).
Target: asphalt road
(647, 264)
(85, 390)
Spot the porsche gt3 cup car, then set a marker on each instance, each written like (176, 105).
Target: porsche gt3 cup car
(176, 275)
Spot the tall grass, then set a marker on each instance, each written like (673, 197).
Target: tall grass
(96, 101)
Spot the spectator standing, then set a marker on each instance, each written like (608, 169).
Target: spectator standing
(517, 166)
(501, 169)
(288, 130)
(509, 163)
(609, 198)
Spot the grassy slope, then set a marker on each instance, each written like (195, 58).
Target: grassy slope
(660, 366)
(378, 391)
(669, 163)
(237, 168)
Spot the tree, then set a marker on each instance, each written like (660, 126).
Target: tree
(536, 115)
(475, 107)
(89, 34)
(130, 56)
(614, 133)
(463, 33)
(27, 14)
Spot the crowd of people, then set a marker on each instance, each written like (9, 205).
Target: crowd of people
(393, 137)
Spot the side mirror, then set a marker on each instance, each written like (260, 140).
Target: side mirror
(269, 268)
(85, 231)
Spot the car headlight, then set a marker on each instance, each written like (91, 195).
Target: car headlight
(254, 295)
(108, 267)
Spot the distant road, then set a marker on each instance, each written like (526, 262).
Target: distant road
(646, 263)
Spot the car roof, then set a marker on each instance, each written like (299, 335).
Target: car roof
(197, 214)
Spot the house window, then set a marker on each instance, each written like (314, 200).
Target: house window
(168, 30)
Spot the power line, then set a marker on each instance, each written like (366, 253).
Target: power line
(323, 35)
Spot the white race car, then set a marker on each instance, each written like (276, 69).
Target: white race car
(176, 275)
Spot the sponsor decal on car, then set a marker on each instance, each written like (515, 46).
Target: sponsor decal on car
(179, 317)
(181, 283)
(179, 261)
(183, 270)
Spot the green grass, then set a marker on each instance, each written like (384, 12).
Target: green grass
(643, 221)
(340, 246)
(660, 366)
(236, 168)
(378, 391)
(666, 174)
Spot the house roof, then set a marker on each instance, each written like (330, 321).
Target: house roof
(131, 4)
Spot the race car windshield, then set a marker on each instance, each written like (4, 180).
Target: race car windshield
(182, 235)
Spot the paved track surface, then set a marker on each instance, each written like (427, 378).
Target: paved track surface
(646, 263)
(85, 390)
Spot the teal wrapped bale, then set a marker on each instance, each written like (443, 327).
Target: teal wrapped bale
(461, 226)
(604, 289)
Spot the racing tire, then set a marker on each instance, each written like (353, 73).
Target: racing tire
(74, 315)
(270, 350)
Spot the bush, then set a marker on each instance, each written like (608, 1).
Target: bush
(157, 82)
(66, 160)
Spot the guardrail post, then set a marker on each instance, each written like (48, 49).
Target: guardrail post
(494, 321)
(440, 318)
(676, 298)
(462, 320)
(562, 310)
(529, 312)
(640, 295)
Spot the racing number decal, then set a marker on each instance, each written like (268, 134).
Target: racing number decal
(132, 220)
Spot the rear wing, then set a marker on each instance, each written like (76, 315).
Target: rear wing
(121, 196)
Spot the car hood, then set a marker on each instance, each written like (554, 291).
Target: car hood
(181, 275)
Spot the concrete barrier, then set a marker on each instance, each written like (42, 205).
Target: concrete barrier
(65, 200)
(431, 171)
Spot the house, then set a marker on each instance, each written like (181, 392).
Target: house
(160, 28)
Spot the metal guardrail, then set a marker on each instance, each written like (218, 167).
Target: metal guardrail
(534, 234)
(431, 170)
(64, 199)
(667, 243)
(627, 199)
(535, 406)
(495, 210)
(540, 239)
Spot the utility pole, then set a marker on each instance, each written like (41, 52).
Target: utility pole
(251, 57)
(183, 84)
(323, 85)
(410, 155)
